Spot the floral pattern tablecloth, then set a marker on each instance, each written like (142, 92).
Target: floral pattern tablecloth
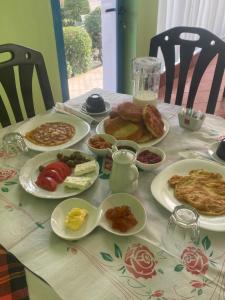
(105, 266)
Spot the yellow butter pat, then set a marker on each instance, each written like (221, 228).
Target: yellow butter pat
(85, 168)
(77, 182)
(75, 218)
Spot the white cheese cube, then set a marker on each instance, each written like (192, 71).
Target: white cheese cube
(77, 182)
(85, 168)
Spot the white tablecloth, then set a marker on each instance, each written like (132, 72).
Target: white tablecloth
(105, 266)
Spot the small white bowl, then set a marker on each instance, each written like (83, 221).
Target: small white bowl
(150, 166)
(127, 144)
(120, 199)
(105, 151)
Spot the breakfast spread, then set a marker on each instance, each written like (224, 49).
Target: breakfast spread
(148, 157)
(99, 142)
(132, 122)
(75, 218)
(51, 134)
(203, 190)
(121, 217)
(95, 104)
(221, 150)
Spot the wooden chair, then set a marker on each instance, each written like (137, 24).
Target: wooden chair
(210, 45)
(26, 59)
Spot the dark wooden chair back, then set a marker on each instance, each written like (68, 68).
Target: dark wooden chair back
(26, 59)
(210, 46)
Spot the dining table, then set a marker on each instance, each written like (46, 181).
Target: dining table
(103, 265)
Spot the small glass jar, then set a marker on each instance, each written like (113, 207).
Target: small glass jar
(182, 230)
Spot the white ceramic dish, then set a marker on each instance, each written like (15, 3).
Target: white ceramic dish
(100, 129)
(30, 171)
(212, 152)
(165, 194)
(60, 212)
(122, 144)
(82, 129)
(96, 216)
(107, 109)
(102, 152)
(150, 167)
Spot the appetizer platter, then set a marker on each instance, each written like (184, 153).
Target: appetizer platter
(56, 175)
(53, 131)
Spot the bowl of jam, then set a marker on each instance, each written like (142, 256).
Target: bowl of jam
(149, 158)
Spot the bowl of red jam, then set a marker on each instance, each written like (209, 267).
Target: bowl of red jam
(149, 158)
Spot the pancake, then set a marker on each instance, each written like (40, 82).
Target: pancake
(51, 134)
(146, 136)
(153, 121)
(130, 111)
(122, 129)
(203, 190)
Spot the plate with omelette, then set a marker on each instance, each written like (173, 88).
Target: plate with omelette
(195, 182)
(128, 121)
(53, 131)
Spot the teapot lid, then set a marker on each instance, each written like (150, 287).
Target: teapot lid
(124, 156)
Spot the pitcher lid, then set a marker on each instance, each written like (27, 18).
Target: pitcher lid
(124, 156)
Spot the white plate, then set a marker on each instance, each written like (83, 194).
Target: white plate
(30, 171)
(212, 152)
(96, 216)
(165, 194)
(82, 129)
(107, 109)
(100, 129)
(120, 199)
(60, 212)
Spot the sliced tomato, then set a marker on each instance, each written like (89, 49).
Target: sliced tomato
(60, 167)
(46, 183)
(53, 174)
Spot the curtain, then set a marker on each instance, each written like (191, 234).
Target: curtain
(208, 14)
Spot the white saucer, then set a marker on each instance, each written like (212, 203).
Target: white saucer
(212, 152)
(107, 109)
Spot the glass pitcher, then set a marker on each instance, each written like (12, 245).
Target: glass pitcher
(146, 78)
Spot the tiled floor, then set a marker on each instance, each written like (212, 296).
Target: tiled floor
(203, 91)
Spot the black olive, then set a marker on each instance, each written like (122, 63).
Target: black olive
(60, 156)
(71, 163)
(41, 168)
(66, 158)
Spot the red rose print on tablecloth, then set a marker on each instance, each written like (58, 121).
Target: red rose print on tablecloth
(158, 293)
(197, 284)
(140, 261)
(195, 260)
(7, 173)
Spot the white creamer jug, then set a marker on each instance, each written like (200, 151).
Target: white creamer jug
(124, 175)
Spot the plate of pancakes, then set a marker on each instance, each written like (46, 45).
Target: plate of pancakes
(194, 182)
(128, 121)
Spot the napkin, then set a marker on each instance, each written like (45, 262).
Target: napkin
(63, 108)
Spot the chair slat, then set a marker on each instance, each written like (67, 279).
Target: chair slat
(26, 76)
(186, 54)
(7, 79)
